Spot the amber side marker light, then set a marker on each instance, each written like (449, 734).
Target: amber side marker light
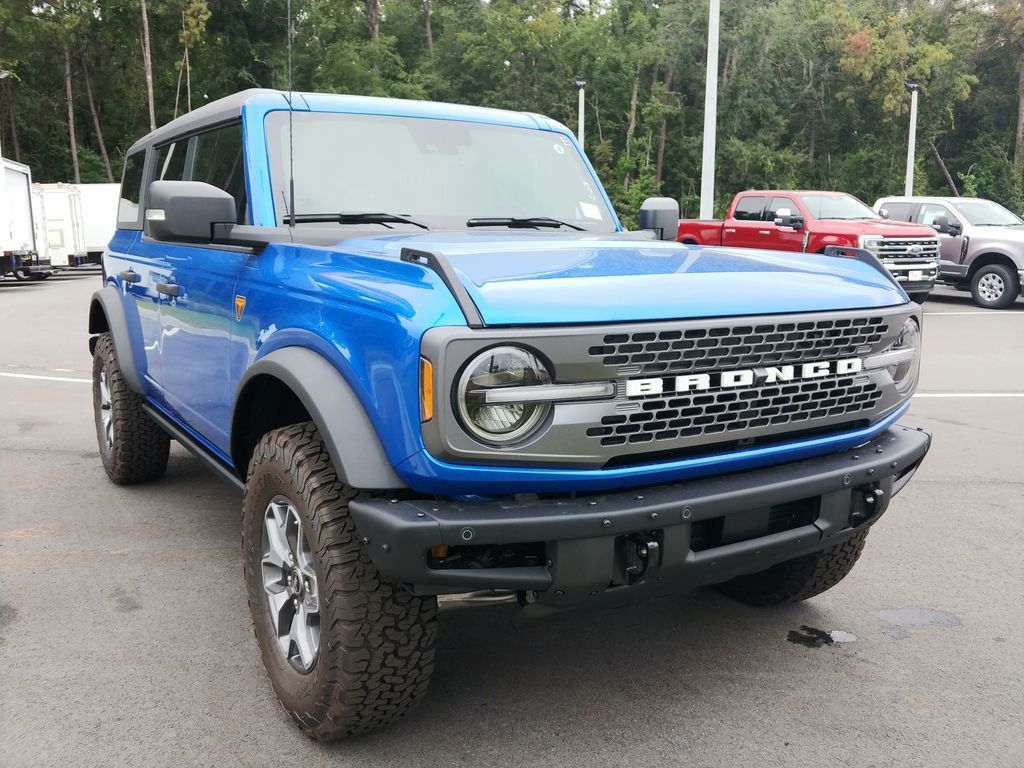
(426, 390)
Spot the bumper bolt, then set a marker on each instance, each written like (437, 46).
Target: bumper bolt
(559, 593)
(856, 457)
(386, 547)
(606, 523)
(871, 471)
(654, 515)
(687, 511)
(893, 465)
(847, 479)
(365, 540)
(421, 514)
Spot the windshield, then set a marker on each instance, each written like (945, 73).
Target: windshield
(985, 213)
(439, 172)
(837, 207)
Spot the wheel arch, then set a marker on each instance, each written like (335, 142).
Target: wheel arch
(990, 257)
(107, 315)
(295, 384)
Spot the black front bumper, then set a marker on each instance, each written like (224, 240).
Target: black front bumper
(692, 533)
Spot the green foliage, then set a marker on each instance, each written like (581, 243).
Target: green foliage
(811, 91)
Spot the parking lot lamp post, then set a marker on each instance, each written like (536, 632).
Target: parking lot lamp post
(707, 166)
(4, 74)
(913, 87)
(581, 86)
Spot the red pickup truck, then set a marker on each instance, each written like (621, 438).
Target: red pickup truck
(810, 221)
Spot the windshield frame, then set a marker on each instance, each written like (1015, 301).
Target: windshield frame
(275, 126)
(955, 205)
(806, 197)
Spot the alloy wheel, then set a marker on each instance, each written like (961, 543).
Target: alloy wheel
(991, 286)
(290, 584)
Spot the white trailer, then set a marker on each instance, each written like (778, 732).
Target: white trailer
(99, 217)
(18, 253)
(61, 211)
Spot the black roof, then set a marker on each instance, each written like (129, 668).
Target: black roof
(219, 111)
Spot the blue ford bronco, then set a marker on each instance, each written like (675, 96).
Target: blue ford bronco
(420, 341)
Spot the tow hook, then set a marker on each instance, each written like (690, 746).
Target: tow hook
(641, 552)
(868, 502)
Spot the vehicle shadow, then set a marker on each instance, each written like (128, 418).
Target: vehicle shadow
(964, 301)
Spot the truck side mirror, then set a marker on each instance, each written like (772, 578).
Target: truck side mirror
(943, 225)
(662, 215)
(784, 217)
(185, 211)
(883, 212)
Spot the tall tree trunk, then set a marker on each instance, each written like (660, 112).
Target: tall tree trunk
(188, 80)
(945, 170)
(1018, 147)
(373, 16)
(72, 140)
(631, 127)
(96, 121)
(177, 88)
(14, 125)
(147, 62)
(426, 23)
(669, 77)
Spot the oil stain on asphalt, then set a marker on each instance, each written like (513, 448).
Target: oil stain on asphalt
(897, 622)
(812, 637)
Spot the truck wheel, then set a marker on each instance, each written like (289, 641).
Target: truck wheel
(799, 578)
(132, 447)
(345, 650)
(994, 286)
(919, 296)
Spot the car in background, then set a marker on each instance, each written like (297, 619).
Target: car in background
(981, 243)
(811, 221)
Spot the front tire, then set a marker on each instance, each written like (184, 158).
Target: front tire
(995, 286)
(132, 447)
(345, 650)
(799, 578)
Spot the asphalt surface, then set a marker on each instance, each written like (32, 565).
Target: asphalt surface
(125, 636)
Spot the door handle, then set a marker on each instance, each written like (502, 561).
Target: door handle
(167, 289)
(130, 276)
(730, 231)
(764, 231)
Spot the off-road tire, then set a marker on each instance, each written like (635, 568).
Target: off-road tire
(1010, 282)
(919, 296)
(797, 579)
(139, 450)
(377, 640)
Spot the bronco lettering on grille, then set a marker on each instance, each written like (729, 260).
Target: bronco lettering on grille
(741, 377)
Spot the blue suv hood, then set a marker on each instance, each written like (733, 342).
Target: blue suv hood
(533, 278)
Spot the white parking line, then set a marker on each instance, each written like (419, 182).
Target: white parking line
(969, 394)
(978, 312)
(37, 377)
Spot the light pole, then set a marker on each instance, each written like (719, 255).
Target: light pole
(707, 166)
(581, 85)
(913, 87)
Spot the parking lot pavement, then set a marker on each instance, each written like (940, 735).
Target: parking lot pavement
(125, 637)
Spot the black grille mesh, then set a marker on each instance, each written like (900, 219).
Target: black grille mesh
(736, 346)
(672, 417)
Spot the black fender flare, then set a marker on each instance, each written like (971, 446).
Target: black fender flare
(356, 450)
(106, 313)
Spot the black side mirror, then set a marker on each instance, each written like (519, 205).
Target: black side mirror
(185, 211)
(943, 225)
(660, 214)
(955, 228)
(786, 218)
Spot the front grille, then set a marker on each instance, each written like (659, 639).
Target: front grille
(927, 248)
(694, 349)
(697, 414)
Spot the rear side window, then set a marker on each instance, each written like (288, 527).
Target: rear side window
(131, 191)
(899, 211)
(218, 161)
(749, 208)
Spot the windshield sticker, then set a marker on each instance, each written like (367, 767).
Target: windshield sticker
(590, 211)
(590, 190)
(559, 149)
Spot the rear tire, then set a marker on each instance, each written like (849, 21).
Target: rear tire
(132, 447)
(346, 651)
(797, 579)
(919, 296)
(995, 286)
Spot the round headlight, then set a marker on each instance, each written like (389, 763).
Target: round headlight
(904, 374)
(500, 423)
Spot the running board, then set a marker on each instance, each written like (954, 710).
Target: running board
(193, 446)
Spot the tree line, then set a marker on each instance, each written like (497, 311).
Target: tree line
(811, 92)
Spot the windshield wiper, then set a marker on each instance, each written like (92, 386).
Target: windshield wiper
(530, 222)
(351, 217)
